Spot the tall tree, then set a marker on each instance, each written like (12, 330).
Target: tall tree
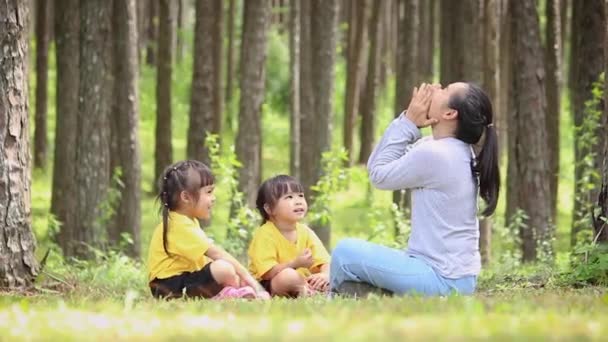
(372, 87)
(202, 97)
(553, 54)
(163, 148)
(126, 117)
(307, 118)
(63, 200)
(256, 16)
(407, 72)
(230, 52)
(588, 33)
(294, 72)
(426, 40)
(42, 48)
(460, 39)
(504, 74)
(218, 63)
(601, 221)
(142, 21)
(528, 162)
(93, 127)
(490, 84)
(323, 38)
(357, 29)
(152, 28)
(179, 44)
(18, 266)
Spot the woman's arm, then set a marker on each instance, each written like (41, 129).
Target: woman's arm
(215, 252)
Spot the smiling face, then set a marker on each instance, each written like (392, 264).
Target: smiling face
(290, 208)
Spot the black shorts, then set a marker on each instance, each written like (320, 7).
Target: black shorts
(194, 284)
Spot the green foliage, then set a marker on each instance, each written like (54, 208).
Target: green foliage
(588, 139)
(277, 73)
(334, 178)
(243, 220)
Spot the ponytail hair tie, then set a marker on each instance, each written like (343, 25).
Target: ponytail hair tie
(490, 125)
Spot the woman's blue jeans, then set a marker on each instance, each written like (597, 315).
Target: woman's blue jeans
(391, 269)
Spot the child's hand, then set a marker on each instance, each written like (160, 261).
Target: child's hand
(319, 281)
(303, 260)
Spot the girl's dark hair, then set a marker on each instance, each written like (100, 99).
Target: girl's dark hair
(273, 189)
(187, 175)
(475, 117)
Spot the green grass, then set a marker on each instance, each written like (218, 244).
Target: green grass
(108, 297)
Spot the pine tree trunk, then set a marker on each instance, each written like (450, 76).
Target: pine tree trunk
(323, 38)
(407, 75)
(202, 98)
(42, 49)
(504, 80)
(230, 55)
(93, 132)
(256, 15)
(601, 221)
(426, 40)
(460, 41)
(553, 53)
(358, 29)
(63, 200)
(18, 265)
(372, 86)
(218, 63)
(163, 149)
(587, 39)
(307, 118)
(153, 31)
(527, 129)
(294, 71)
(126, 116)
(179, 44)
(142, 21)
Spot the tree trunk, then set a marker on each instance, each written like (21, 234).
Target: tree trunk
(153, 31)
(601, 220)
(323, 38)
(230, 54)
(294, 71)
(527, 129)
(93, 132)
(553, 53)
(18, 266)
(407, 73)
(426, 40)
(63, 200)
(504, 80)
(179, 44)
(373, 78)
(256, 15)
(126, 116)
(42, 49)
(587, 39)
(490, 84)
(307, 101)
(358, 29)
(163, 149)
(218, 56)
(142, 21)
(202, 98)
(460, 41)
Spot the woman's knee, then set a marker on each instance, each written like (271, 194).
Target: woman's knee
(346, 248)
(223, 272)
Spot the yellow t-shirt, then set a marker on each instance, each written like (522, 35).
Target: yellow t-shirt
(269, 248)
(186, 243)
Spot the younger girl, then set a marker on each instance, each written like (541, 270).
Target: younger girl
(284, 254)
(181, 257)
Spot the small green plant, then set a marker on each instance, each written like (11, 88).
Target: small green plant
(243, 220)
(334, 178)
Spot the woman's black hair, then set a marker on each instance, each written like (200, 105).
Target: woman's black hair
(476, 119)
(273, 189)
(187, 175)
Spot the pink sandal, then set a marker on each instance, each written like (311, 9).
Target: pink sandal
(230, 292)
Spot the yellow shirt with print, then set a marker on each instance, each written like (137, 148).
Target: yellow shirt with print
(186, 244)
(269, 248)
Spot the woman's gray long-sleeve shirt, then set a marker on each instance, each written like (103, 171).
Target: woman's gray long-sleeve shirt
(445, 229)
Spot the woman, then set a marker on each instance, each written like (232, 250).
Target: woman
(445, 177)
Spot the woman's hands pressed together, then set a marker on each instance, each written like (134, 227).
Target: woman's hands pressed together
(418, 109)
